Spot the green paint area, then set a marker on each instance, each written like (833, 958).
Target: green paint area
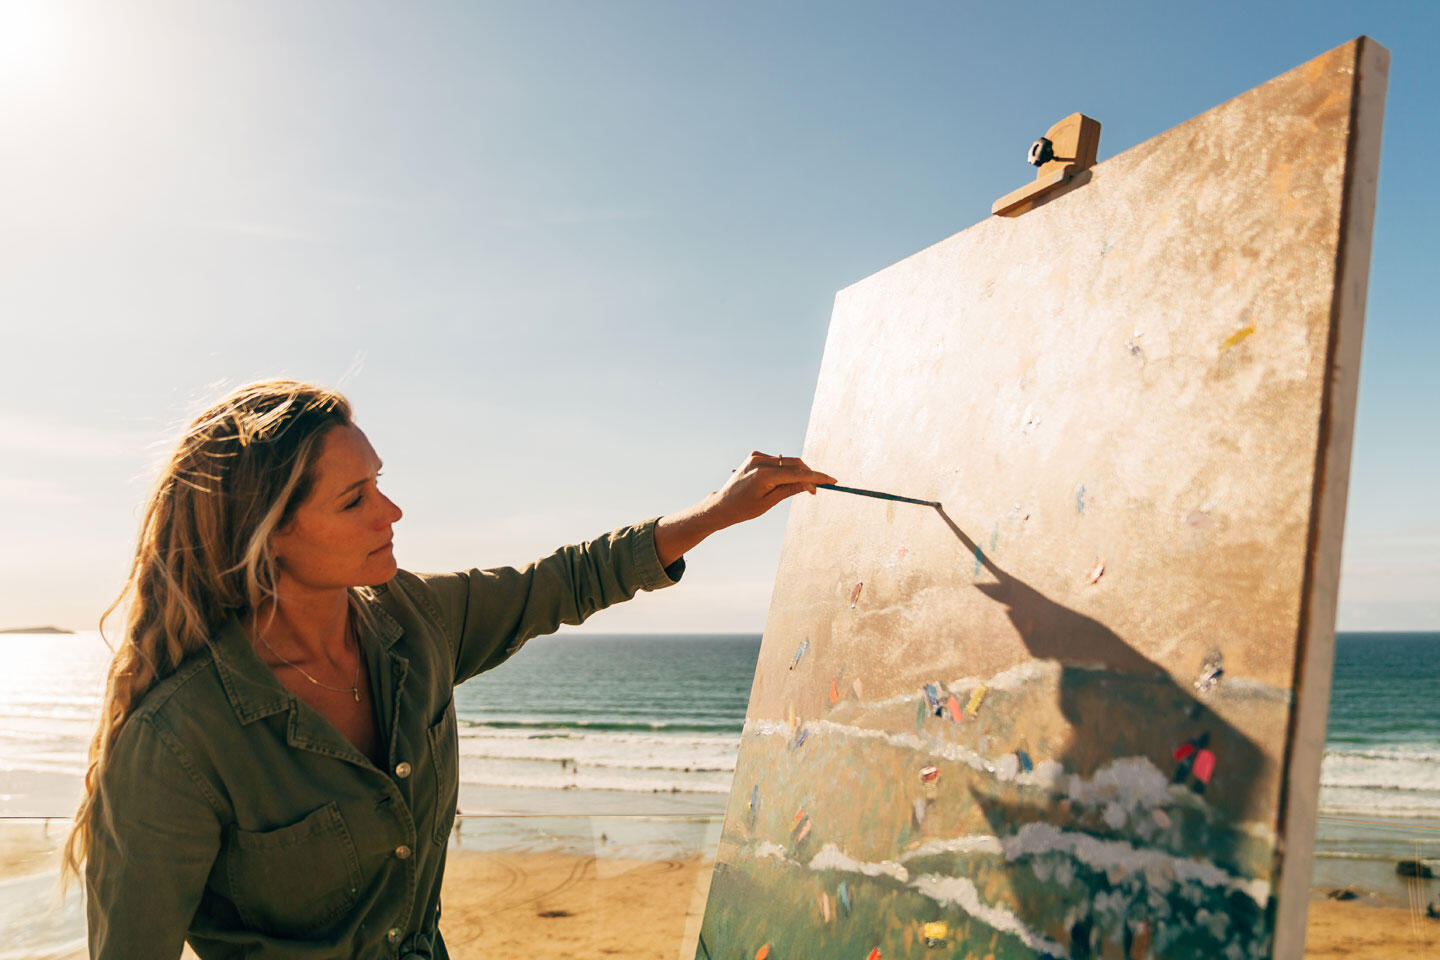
(1095, 852)
(883, 913)
(1075, 913)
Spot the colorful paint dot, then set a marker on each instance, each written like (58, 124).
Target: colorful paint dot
(800, 652)
(932, 696)
(1097, 571)
(855, 593)
(1237, 336)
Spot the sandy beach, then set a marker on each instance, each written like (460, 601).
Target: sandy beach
(551, 905)
(543, 905)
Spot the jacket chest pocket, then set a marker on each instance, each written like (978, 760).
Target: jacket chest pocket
(444, 762)
(295, 880)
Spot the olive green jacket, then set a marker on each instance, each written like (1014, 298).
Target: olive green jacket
(232, 815)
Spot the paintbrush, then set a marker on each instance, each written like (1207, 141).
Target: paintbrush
(878, 495)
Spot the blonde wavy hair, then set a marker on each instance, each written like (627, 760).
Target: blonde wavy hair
(238, 474)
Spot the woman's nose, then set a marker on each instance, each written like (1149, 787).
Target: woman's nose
(393, 512)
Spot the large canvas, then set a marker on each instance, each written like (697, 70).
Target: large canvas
(1078, 710)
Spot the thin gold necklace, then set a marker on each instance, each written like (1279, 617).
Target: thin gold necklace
(354, 687)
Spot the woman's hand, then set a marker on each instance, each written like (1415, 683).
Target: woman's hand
(760, 482)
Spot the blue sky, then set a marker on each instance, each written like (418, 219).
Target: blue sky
(572, 261)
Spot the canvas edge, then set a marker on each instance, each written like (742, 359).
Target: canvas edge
(1315, 654)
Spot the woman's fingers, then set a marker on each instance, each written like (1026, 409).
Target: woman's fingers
(794, 469)
(783, 491)
(762, 481)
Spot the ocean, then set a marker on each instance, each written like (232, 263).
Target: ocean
(584, 726)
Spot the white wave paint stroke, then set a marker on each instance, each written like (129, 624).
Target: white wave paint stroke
(1127, 789)
(1022, 675)
(961, 893)
(957, 891)
(831, 858)
(1161, 869)
(1046, 774)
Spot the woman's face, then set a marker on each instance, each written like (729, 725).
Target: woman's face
(340, 535)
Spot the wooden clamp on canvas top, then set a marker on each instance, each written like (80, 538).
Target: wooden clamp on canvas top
(1065, 150)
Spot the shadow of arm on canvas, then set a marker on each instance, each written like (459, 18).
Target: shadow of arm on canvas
(1119, 703)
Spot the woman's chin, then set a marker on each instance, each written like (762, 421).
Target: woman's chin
(380, 569)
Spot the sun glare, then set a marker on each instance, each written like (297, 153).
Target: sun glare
(34, 41)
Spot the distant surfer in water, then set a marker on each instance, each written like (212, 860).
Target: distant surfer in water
(275, 771)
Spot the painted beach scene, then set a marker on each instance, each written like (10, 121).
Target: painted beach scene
(946, 818)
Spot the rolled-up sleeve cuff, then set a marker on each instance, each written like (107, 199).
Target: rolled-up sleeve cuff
(652, 576)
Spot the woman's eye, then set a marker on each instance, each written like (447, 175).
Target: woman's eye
(358, 497)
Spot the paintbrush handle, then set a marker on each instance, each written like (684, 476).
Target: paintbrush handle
(878, 495)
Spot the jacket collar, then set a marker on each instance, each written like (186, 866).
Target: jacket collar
(251, 687)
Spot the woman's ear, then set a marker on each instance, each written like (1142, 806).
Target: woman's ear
(278, 542)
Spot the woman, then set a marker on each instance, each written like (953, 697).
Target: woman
(275, 771)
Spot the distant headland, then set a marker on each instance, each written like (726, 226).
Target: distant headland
(36, 630)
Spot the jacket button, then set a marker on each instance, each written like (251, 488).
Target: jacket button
(402, 769)
(393, 934)
(403, 852)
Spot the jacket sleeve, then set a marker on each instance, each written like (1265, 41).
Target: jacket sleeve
(489, 614)
(154, 838)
